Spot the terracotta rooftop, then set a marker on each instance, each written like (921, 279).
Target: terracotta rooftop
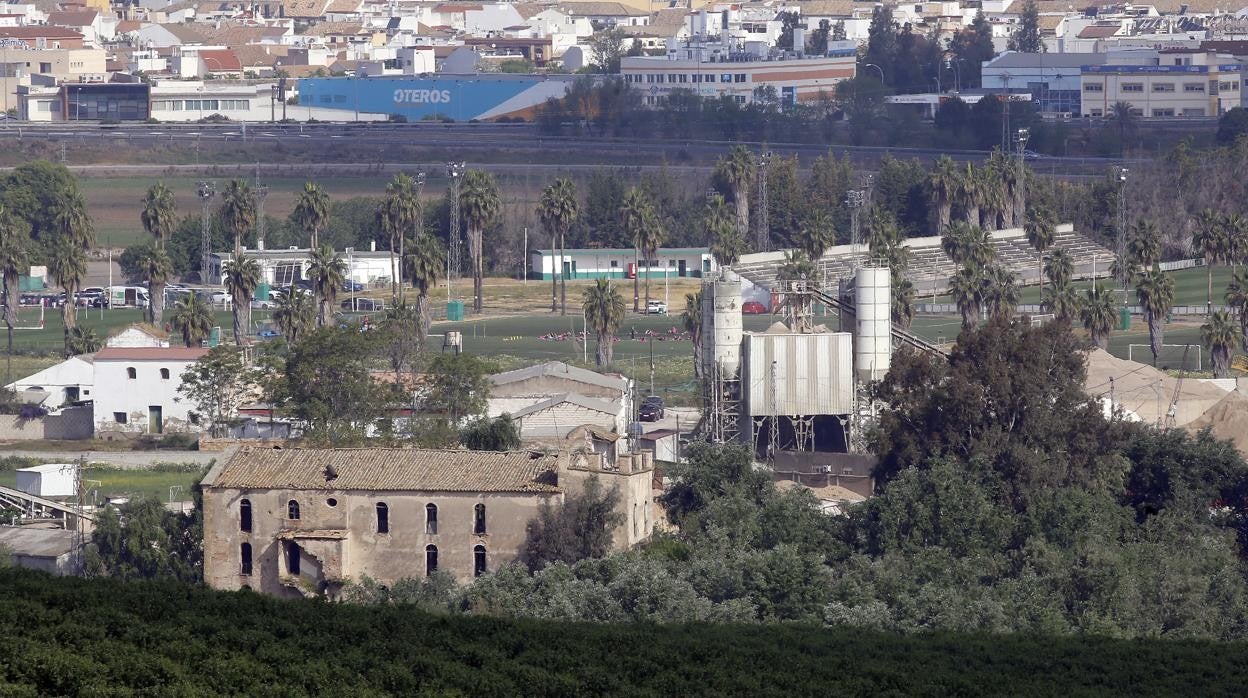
(149, 354)
(72, 18)
(220, 60)
(1099, 31)
(388, 469)
(305, 9)
(38, 32)
(600, 9)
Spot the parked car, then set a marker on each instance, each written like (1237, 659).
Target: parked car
(753, 308)
(651, 409)
(257, 304)
(656, 308)
(1031, 155)
(363, 305)
(352, 286)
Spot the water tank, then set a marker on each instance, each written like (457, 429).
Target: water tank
(725, 308)
(873, 345)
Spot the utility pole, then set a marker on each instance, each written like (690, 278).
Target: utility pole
(1021, 141)
(855, 200)
(207, 189)
(262, 192)
(1121, 242)
(454, 170)
(762, 239)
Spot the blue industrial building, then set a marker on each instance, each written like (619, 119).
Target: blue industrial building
(469, 97)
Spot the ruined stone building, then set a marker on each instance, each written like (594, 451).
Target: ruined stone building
(301, 522)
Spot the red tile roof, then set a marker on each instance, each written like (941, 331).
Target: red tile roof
(220, 60)
(149, 354)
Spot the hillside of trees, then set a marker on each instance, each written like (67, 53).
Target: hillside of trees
(78, 637)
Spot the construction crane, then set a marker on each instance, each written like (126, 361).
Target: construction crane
(1173, 409)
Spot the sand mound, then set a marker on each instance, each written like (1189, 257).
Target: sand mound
(1228, 420)
(1144, 391)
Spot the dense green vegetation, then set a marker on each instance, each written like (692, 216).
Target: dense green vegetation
(75, 637)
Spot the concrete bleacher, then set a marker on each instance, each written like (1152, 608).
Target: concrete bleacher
(930, 268)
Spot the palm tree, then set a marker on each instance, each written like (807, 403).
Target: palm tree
(238, 210)
(795, 267)
(652, 236)
(1209, 241)
(1144, 244)
(691, 321)
(157, 269)
(1122, 115)
(736, 169)
(14, 258)
(84, 340)
(1061, 300)
(816, 234)
(425, 260)
(1218, 333)
(1236, 226)
(967, 289)
(160, 213)
(479, 203)
(327, 272)
(604, 311)
(993, 197)
(193, 318)
(558, 210)
(295, 314)
(1000, 292)
(1008, 173)
(1041, 233)
(1155, 290)
(71, 222)
(634, 217)
(311, 211)
(944, 185)
(903, 297)
(399, 214)
(1059, 267)
(1098, 312)
(241, 275)
(721, 234)
(968, 244)
(1237, 298)
(970, 193)
(67, 267)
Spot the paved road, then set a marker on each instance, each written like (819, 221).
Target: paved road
(127, 460)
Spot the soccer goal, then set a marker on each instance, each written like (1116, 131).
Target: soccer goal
(29, 317)
(1041, 319)
(1172, 356)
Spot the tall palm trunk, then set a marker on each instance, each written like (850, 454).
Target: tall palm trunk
(10, 305)
(1155, 333)
(402, 285)
(556, 265)
(944, 211)
(648, 254)
(1209, 296)
(394, 274)
(238, 324)
(604, 353)
(478, 270)
(972, 213)
(636, 277)
(422, 312)
(156, 302)
(742, 201)
(563, 278)
(68, 319)
(1040, 274)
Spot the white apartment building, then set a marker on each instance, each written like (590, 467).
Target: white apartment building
(1165, 83)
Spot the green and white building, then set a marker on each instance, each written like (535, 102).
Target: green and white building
(621, 263)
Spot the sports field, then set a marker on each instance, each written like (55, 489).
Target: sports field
(111, 482)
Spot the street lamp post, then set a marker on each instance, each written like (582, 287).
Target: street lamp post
(872, 65)
(455, 171)
(1121, 247)
(1020, 140)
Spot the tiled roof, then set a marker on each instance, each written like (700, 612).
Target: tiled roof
(599, 9)
(72, 18)
(457, 7)
(335, 29)
(344, 6)
(149, 354)
(529, 9)
(588, 403)
(828, 8)
(389, 469)
(37, 32)
(220, 60)
(304, 8)
(561, 370)
(253, 55)
(1099, 31)
(126, 26)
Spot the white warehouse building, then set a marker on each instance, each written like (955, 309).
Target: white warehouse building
(621, 263)
(281, 268)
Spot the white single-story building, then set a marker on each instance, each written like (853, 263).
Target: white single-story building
(558, 416)
(521, 391)
(663, 443)
(621, 263)
(281, 268)
(56, 386)
(136, 390)
(47, 549)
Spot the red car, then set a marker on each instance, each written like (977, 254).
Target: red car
(753, 308)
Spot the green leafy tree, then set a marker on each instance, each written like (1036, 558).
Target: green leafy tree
(1026, 39)
(558, 210)
(577, 528)
(1098, 312)
(1219, 334)
(238, 210)
(327, 272)
(311, 212)
(1062, 300)
(485, 434)
(71, 222)
(192, 317)
(14, 259)
(143, 540)
(479, 202)
(330, 384)
(795, 267)
(295, 314)
(458, 387)
(1155, 291)
(217, 384)
(604, 311)
(607, 47)
(67, 267)
(241, 275)
(1232, 126)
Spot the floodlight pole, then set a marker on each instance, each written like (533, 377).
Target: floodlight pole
(207, 189)
(1121, 247)
(454, 170)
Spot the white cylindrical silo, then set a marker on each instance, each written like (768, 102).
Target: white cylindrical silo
(873, 346)
(726, 333)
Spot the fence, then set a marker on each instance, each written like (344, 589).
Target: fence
(1172, 356)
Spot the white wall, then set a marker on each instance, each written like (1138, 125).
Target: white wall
(116, 392)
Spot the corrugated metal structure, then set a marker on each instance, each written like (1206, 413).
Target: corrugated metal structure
(798, 374)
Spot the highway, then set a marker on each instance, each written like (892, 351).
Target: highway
(476, 138)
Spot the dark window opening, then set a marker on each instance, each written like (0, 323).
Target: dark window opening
(292, 510)
(246, 555)
(332, 502)
(431, 518)
(478, 519)
(383, 518)
(164, 373)
(478, 561)
(431, 559)
(244, 516)
(131, 373)
(292, 557)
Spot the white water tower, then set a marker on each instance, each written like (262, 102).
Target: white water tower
(873, 341)
(723, 311)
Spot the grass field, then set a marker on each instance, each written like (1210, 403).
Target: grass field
(1190, 288)
(129, 483)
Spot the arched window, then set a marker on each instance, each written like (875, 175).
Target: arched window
(383, 518)
(478, 561)
(245, 550)
(431, 518)
(431, 559)
(131, 373)
(164, 374)
(292, 510)
(478, 519)
(244, 516)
